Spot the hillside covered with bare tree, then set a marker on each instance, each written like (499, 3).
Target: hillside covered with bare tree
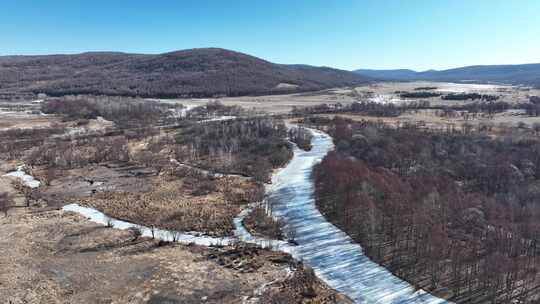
(205, 72)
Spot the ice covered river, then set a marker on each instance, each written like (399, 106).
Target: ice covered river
(330, 252)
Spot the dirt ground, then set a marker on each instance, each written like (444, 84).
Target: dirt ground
(24, 120)
(76, 184)
(275, 104)
(9, 184)
(60, 257)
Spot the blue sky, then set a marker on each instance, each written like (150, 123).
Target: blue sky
(345, 34)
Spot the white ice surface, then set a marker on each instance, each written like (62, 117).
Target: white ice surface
(27, 180)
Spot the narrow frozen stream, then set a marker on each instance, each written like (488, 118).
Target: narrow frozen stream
(335, 258)
(159, 234)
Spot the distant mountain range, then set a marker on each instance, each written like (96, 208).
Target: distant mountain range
(527, 74)
(204, 72)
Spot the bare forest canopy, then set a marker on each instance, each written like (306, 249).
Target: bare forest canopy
(251, 147)
(124, 111)
(188, 73)
(455, 213)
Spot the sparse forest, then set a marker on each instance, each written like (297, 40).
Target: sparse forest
(125, 112)
(251, 147)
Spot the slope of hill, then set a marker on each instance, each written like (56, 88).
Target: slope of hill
(194, 73)
(528, 74)
(399, 74)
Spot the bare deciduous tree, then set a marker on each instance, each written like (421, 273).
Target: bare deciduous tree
(5, 203)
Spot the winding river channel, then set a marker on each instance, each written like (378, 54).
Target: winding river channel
(333, 255)
(335, 258)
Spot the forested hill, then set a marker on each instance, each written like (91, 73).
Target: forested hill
(194, 73)
(528, 74)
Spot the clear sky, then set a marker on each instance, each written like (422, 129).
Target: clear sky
(347, 34)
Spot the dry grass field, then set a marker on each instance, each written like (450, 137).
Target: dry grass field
(173, 205)
(383, 92)
(60, 257)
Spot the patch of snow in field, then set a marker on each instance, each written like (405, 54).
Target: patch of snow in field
(27, 180)
(467, 87)
(182, 112)
(286, 86)
(385, 99)
(219, 118)
(159, 234)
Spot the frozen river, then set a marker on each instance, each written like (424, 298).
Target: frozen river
(330, 252)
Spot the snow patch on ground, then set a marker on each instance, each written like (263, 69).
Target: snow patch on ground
(27, 180)
(385, 99)
(286, 86)
(467, 87)
(219, 118)
(182, 112)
